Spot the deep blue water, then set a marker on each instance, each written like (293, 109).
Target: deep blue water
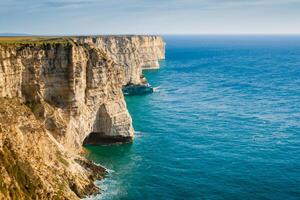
(224, 124)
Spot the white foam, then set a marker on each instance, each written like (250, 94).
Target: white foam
(156, 89)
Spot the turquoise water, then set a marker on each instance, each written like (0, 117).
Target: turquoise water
(224, 124)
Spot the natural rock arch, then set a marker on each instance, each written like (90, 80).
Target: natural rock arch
(100, 129)
(110, 126)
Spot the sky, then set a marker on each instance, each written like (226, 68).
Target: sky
(81, 17)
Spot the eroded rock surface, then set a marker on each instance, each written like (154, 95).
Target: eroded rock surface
(33, 165)
(133, 53)
(70, 90)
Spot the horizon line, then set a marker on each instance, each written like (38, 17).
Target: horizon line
(7, 34)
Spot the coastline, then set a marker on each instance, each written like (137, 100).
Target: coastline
(71, 89)
(222, 117)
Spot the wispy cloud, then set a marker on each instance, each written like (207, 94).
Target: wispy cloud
(138, 4)
(130, 14)
(206, 4)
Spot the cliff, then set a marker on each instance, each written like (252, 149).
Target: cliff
(133, 53)
(58, 94)
(33, 165)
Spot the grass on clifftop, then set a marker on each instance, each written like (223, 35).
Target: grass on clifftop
(30, 40)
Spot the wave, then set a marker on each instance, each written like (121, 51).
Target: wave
(156, 89)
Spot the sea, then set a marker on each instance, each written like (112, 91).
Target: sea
(223, 123)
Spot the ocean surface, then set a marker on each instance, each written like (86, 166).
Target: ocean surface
(224, 123)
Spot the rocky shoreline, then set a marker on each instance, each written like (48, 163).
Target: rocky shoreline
(57, 94)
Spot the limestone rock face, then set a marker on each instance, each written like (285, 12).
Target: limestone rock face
(73, 88)
(33, 165)
(77, 86)
(133, 53)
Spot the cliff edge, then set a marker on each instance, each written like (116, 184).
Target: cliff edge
(58, 94)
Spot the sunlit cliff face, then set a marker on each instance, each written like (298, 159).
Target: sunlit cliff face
(69, 91)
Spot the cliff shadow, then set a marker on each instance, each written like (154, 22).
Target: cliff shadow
(102, 130)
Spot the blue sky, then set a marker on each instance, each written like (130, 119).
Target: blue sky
(150, 16)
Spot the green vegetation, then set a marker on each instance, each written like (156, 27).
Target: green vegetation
(35, 41)
(24, 186)
(61, 159)
(60, 193)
